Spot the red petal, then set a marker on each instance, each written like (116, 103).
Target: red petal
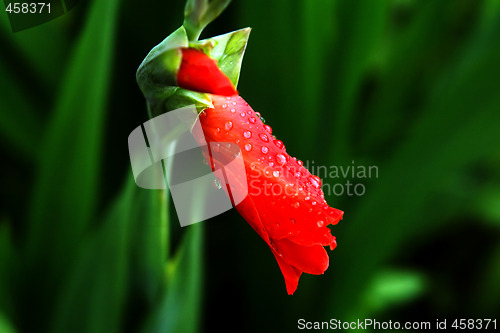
(290, 273)
(308, 259)
(199, 72)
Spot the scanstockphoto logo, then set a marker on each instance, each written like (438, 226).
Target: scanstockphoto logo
(164, 148)
(165, 154)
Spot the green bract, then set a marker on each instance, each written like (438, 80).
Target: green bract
(157, 74)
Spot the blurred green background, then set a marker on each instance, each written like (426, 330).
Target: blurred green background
(410, 86)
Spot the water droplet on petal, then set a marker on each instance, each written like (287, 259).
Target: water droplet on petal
(320, 223)
(280, 159)
(276, 174)
(257, 114)
(248, 147)
(228, 98)
(224, 105)
(243, 114)
(252, 120)
(298, 174)
(216, 184)
(263, 137)
(218, 130)
(296, 204)
(233, 110)
(307, 198)
(315, 181)
(314, 203)
(278, 143)
(271, 164)
(228, 125)
(234, 103)
(265, 150)
(262, 119)
(247, 134)
(299, 162)
(268, 129)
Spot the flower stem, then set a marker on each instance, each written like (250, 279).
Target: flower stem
(199, 13)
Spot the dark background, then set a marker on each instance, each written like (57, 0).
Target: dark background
(412, 87)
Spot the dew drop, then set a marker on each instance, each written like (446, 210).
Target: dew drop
(278, 143)
(262, 119)
(314, 203)
(298, 174)
(247, 134)
(296, 204)
(243, 114)
(248, 147)
(276, 174)
(280, 159)
(268, 129)
(299, 162)
(315, 181)
(265, 150)
(218, 130)
(216, 184)
(263, 137)
(233, 110)
(257, 114)
(271, 164)
(307, 198)
(252, 120)
(224, 105)
(228, 125)
(320, 223)
(228, 98)
(234, 103)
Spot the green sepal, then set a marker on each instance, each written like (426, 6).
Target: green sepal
(184, 97)
(157, 74)
(228, 50)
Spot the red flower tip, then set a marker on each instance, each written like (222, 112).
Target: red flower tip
(285, 204)
(199, 72)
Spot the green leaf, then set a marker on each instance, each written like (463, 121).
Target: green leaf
(20, 126)
(95, 289)
(66, 189)
(67, 185)
(392, 287)
(5, 325)
(180, 306)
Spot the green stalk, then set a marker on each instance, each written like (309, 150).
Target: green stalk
(199, 13)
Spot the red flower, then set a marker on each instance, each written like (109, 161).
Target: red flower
(285, 204)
